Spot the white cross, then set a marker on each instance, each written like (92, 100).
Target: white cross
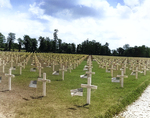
(122, 76)
(144, 70)
(20, 64)
(3, 64)
(44, 80)
(11, 63)
(63, 69)
(9, 79)
(136, 71)
(112, 70)
(53, 66)
(89, 87)
(40, 67)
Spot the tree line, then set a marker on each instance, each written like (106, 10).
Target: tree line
(56, 45)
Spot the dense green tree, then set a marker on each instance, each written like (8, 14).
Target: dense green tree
(126, 46)
(120, 51)
(43, 44)
(114, 53)
(20, 41)
(34, 44)
(2, 40)
(79, 48)
(10, 40)
(27, 43)
(59, 45)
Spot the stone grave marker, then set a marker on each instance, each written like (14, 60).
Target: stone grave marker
(33, 84)
(44, 80)
(84, 76)
(77, 92)
(115, 79)
(33, 70)
(85, 67)
(55, 73)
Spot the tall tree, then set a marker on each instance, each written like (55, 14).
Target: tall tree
(34, 44)
(120, 51)
(10, 40)
(43, 45)
(27, 43)
(20, 41)
(2, 40)
(55, 39)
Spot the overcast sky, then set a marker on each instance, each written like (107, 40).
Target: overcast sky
(117, 22)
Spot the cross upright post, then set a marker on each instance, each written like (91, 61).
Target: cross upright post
(144, 70)
(20, 64)
(9, 78)
(136, 71)
(11, 63)
(3, 64)
(112, 68)
(63, 70)
(53, 66)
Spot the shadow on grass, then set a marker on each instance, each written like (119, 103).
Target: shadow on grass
(4, 90)
(17, 74)
(82, 106)
(25, 99)
(37, 97)
(72, 108)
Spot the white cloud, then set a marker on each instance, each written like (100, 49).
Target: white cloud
(132, 3)
(35, 9)
(5, 4)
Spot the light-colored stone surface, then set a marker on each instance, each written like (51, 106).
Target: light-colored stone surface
(138, 109)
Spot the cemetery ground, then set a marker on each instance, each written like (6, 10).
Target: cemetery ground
(109, 98)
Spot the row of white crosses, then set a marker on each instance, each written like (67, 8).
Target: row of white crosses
(89, 80)
(9, 75)
(123, 63)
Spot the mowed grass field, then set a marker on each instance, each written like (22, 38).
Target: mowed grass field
(26, 102)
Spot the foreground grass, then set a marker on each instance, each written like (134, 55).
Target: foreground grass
(107, 100)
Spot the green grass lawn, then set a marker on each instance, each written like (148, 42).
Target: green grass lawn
(60, 104)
